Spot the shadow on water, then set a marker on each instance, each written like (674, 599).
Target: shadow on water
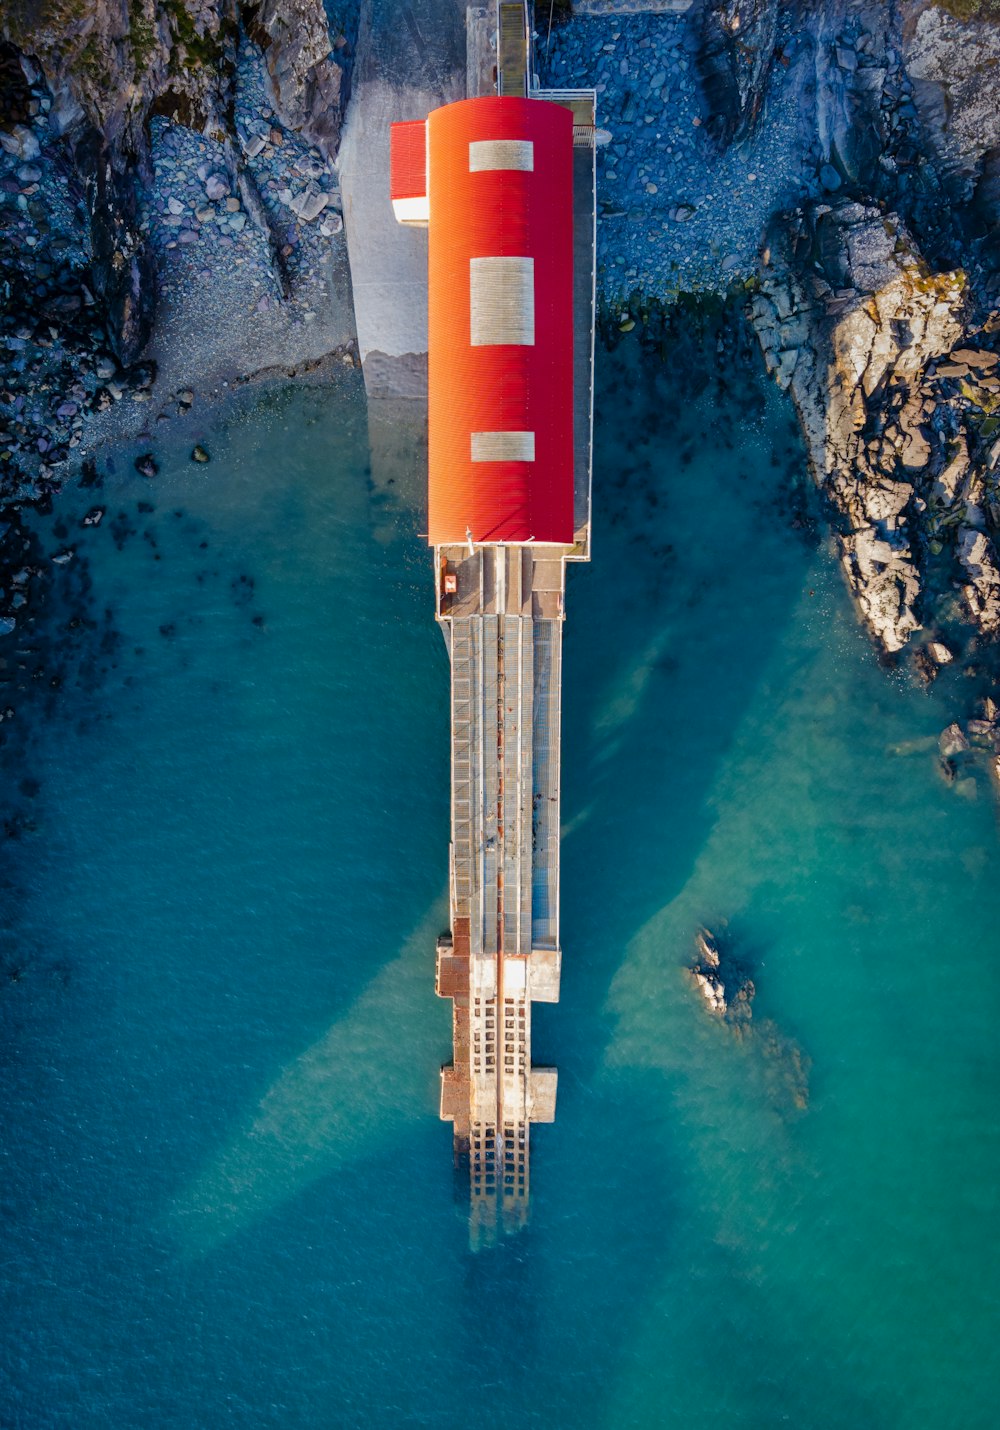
(306, 1248)
(666, 639)
(696, 576)
(698, 596)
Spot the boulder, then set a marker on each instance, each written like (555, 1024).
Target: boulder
(952, 741)
(982, 593)
(309, 204)
(216, 187)
(20, 141)
(980, 358)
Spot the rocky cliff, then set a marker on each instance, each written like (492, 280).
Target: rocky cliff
(877, 303)
(107, 67)
(895, 392)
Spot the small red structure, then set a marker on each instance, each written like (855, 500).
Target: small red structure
(408, 171)
(499, 207)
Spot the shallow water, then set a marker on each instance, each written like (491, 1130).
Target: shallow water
(228, 1199)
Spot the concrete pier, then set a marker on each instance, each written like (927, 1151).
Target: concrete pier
(411, 58)
(503, 627)
(499, 601)
(501, 609)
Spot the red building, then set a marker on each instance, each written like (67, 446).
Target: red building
(492, 179)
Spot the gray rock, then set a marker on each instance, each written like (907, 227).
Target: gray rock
(20, 142)
(254, 144)
(216, 187)
(982, 594)
(952, 741)
(309, 204)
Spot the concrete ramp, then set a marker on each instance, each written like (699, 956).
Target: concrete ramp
(411, 58)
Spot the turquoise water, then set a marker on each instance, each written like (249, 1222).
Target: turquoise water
(227, 1198)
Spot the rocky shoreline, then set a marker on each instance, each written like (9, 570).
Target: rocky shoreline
(171, 226)
(164, 236)
(870, 274)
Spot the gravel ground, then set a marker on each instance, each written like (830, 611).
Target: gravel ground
(675, 214)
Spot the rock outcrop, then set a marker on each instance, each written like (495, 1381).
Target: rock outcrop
(725, 985)
(854, 324)
(110, 65)
(307, 83)
(952, 65)
(736, 48)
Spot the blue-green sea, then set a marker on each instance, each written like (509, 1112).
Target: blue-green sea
(227, 1198)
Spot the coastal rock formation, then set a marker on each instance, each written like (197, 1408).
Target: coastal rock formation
(121, 267)
(307, 83)
(736, 45)
(951, 63)
(725, 985)
(108, 67)
(853, 323)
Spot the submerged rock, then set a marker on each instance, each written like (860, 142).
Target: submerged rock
(952, 741)
(728, 991)
(786, 1067)
(725, 986)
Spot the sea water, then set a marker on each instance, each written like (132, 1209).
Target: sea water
(227, 1196)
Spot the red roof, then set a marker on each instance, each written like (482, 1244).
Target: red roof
(512, 379)
(408, 160)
